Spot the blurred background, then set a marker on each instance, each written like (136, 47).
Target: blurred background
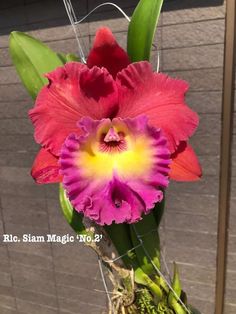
(42, 278)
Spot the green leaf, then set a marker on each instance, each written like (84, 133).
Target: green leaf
(71, 57)
(62, 57)
(149, 253)
(120, 236)
(74, 219)
(172, 299)
(32, 60)
(67, 57)
(142, 29)
(176, 285)
(158, 210)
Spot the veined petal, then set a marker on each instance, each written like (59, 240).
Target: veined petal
(107, 53)
(160, 98)
(45, 168)
(185, 165)
(73, 91)
(115, 171)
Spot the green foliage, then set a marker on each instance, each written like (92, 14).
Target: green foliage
(32, 60)
(158, 210)
(120, 236)
(172, 299)
(67, 57)
(142, 29)
(149, 253)
(74, 219)
(163, 308)
(72, 57)
(145, 302)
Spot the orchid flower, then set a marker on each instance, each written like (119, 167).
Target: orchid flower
(114, 133)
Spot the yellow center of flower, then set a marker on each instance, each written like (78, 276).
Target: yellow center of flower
(115, 150)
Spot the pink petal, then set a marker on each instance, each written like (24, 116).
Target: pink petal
(45, 168)
(110, 185)
(73, 91)
(160, 98)
(107, 53)
(185, 165)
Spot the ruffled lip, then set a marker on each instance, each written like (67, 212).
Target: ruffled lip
(115, 187)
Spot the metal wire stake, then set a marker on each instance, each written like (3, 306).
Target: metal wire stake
(104, 283)
(165, 264)
(101, 5)
(72, 17)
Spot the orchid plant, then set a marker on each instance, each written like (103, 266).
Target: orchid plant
(113, 132)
